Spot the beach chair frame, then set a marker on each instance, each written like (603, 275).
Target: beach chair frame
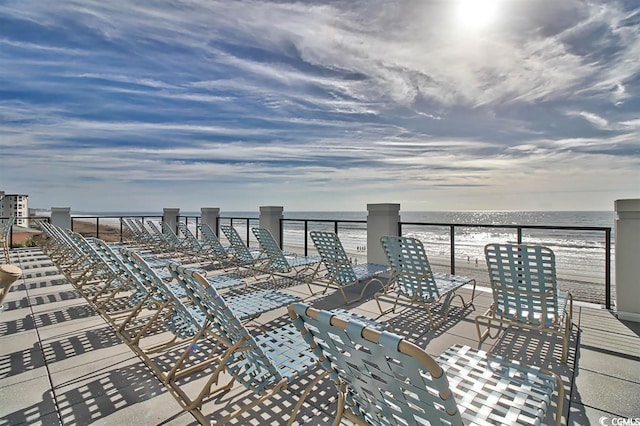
(383, 379)
(525, 292)
(263, 363)
(340, 273)
(279, 264)
(416, 283)
(5, 238)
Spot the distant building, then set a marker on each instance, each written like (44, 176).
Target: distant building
(15, 205)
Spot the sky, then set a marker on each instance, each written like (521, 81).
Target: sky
(320, 105)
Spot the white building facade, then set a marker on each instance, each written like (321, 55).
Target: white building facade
(15, 205)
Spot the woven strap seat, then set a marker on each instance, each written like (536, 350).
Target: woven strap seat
(7, 224)
(244, 306)
(383, 379)
(414, 280)
(211, 239)
(340, 273)
(241, 253)
(490, 390)
(223, 281)
(525, 291)
(263, 363)
(278, 261)
(369, 270)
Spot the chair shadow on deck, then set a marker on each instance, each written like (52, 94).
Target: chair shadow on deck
(412, 323)
(25, 302)
(74, 344)
(542, 349)
(334, 300)
(29, 322)
(99, 394)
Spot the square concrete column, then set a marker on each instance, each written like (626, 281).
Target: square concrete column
(61, 217)
(210, 216)
(627, 259)
(382, 219)
(170, 217)
(270, 218)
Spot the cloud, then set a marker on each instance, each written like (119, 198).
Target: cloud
(367, 97)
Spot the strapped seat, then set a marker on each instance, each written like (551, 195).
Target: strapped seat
(264, 363)
(241, 255)
(525, 292)
(341, 273)
(415, 282)
(281, 264)
(198, 247)
(217, 250)
(383, 379)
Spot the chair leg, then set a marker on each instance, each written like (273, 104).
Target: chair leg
(488, 316)
(304, 395)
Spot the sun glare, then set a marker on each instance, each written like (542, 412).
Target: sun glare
(477, 13)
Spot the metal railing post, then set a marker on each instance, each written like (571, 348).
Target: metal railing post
(452, 239)
(607, 269)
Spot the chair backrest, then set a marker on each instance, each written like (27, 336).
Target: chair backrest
(411, 269)
(139, 224)
(268, 244)
(186, 232)
(253, 367)
(242, 252)
(386, 379)
(171, 236)
(334, 257)
(523, 279)
(154, 230)
(6, 226)
(129, 227)
(210, 238)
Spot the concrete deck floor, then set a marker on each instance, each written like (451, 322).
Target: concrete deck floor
(61, 363)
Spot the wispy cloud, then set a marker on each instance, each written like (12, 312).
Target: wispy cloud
(310, 103)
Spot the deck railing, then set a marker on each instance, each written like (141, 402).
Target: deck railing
(606, 232)
(32, 220)
(105, 230)
(335, 225)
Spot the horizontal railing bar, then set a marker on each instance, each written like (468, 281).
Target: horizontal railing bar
(489, 225)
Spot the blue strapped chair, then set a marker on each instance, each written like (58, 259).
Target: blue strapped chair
(241, 255)
(416, 283)
(525, 292)
(143, 235)
(383, 379)
(263, 363)
(281, 264)
(131, 230)
(198, 247)
(245, 306)
(341, 273)
(218, 252)
(5, 235)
